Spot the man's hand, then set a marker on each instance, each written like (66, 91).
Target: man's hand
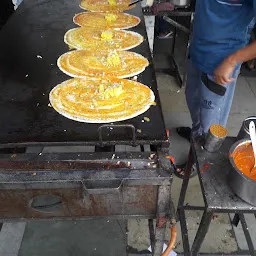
(223, 72)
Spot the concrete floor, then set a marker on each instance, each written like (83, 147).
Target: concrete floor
(109, 237)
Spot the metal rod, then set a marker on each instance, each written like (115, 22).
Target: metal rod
(201, 232)
(187, 50)
(184, 232)
(176, 70)
(176, 24)
(235, 220)
(135, 2)
(192, 207)
(163, 207)
(186, 178)
(151, 233)
(247, 235)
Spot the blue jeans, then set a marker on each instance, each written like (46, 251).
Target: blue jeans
(207, 108)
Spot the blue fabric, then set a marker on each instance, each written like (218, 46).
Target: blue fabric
(18, 3)
(221, 27)
(207, 108)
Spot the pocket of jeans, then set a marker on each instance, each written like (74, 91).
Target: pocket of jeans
(211, 85)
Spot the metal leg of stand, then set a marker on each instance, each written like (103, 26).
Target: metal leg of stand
(181, 212)
(151, 233)
(247, 235)
(187, 50)
(186, 178)
(236, 220)
(163, 206)
(184, 232)
(202, 231)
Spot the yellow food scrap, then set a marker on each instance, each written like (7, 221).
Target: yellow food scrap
(146, 119)
(111, 17)
(112, 2)
(153, 104)
(101, 88)
(139, 130)
(106, 35)
(70, 47)
(113, 90)
(113, 59)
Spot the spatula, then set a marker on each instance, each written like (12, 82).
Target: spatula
(253, 139)
(137, 1)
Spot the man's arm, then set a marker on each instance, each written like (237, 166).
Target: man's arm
(223, 72)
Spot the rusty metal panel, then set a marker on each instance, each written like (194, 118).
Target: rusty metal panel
(77, 202)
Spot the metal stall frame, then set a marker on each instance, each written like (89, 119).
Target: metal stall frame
(102, 183)
(171, 18)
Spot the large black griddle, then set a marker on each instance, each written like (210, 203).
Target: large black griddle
(30, 44)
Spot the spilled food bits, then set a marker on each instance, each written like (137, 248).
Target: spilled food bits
(34, 173)
(49, 105)
(139, 130)
(146, 119)
(39, 56)
(26, 75)
(206, 166)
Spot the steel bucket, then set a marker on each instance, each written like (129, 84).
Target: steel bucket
(244, 131)
(242, 186)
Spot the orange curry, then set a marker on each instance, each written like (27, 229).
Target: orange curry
(244, 160)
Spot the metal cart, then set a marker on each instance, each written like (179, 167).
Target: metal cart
(107, 182)
(212, 171)
(172, 18)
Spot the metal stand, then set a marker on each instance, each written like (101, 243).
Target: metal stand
(174, 71)
(218, 198)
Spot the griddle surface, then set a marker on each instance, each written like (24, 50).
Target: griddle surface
(30, 43)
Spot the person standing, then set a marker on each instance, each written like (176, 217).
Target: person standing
(219, 46)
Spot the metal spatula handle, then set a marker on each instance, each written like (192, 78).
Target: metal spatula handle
(253, 137)
(137, 1)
